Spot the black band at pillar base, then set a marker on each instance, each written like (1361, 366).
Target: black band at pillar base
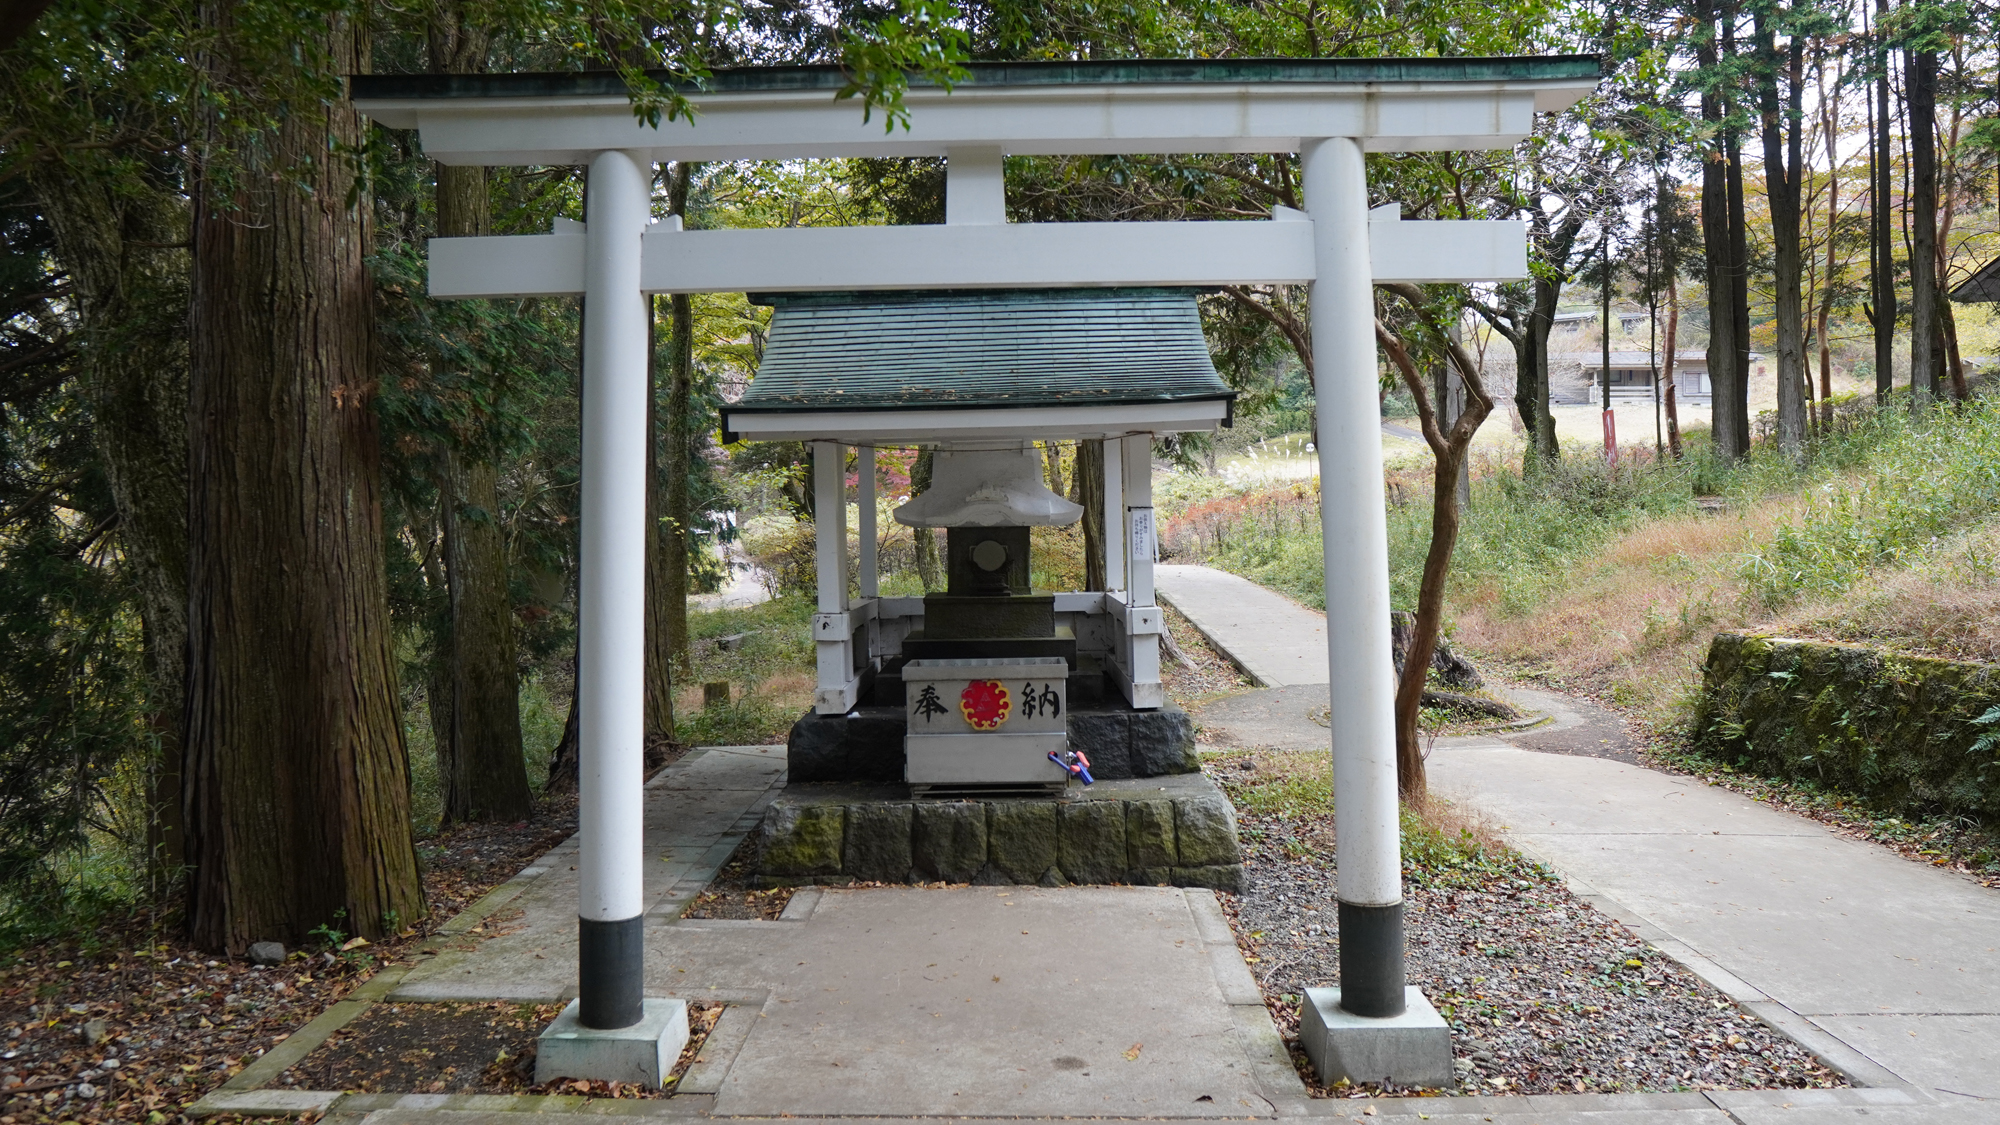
(611, 972)
(1371, 959)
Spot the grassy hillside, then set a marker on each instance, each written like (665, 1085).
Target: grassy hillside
(1617, 579)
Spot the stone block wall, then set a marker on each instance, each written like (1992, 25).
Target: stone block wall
(1915, 734)
(1181, 833)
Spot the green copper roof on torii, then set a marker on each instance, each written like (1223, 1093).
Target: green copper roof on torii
(1127, 72)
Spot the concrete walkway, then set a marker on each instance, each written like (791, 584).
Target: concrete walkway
(1275, 639)
(1888, 969)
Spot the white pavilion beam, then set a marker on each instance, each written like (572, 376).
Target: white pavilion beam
(978, 256)
(1084, 119)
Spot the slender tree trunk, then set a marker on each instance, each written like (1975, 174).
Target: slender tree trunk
(1783, 171)
(1730, 434)
(660, 586)
(1830, 116)
(680, 444)
(1723, 375)
(1449, 447)
(926, 538)
(1673, 357)
(484, 770)
(1882, 272)
(476, 701)
(297, 773)
(1088, 474)
(131, 301)
(1926, 346)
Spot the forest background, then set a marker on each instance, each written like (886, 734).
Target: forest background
(287, 550)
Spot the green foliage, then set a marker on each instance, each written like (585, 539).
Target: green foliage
(72, 693)
(1911, 734)
(1898, 487)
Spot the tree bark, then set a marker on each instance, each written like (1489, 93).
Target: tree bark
(660, 587)
(1089, 477)
(1882, 267)
(125, 253)
(480, 759)
(482, 766)
(1783, 171)
(1673, 358)
(1926, 346)
(680, 440)
(297, 772)
(1722, 242)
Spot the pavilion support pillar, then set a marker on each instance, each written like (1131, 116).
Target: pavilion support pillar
(611, 1031)
(1372, 1027)
(869, 580)
(1114, 514)
(834, 644)
(1142, 616)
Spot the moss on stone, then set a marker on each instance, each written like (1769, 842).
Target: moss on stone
(1903, 731)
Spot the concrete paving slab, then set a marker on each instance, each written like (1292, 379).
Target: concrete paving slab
(1819, 922)
(1957, 1056)
(1275, 639)
(997, 1002)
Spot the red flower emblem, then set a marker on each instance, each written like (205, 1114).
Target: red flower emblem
(985, 704)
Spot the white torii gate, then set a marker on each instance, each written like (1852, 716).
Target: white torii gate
(1329, 111)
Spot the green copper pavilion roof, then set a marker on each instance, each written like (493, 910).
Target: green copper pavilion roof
(1001, 348)
(1124, 72)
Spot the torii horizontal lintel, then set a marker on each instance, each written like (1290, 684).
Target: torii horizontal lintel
(1138, 106)
(998, 256)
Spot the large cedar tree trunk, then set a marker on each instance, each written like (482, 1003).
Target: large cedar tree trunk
(480, 759)
(297, 774)
(126, 257)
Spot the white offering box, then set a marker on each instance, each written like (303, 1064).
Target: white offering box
(986, 721)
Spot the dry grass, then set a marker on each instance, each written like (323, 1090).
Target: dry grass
(1635, 627)
(1949, 607)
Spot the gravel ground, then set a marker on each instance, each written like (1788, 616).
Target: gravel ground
(1544, 994)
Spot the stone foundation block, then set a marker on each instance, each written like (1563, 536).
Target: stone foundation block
(803, 839)
(878, 842)
(1091, 841)
(1205, 831)
(643, 1053)
(1163, 743)
(1149, 834)
(1105, 737)
(1021, 839)
(1413, 1049)
(866, 746)
(1216, 877)
(950, 842)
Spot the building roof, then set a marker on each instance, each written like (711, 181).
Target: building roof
(1595, 358)
(1117, 72)
(1107, 352)
(1981, 286)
